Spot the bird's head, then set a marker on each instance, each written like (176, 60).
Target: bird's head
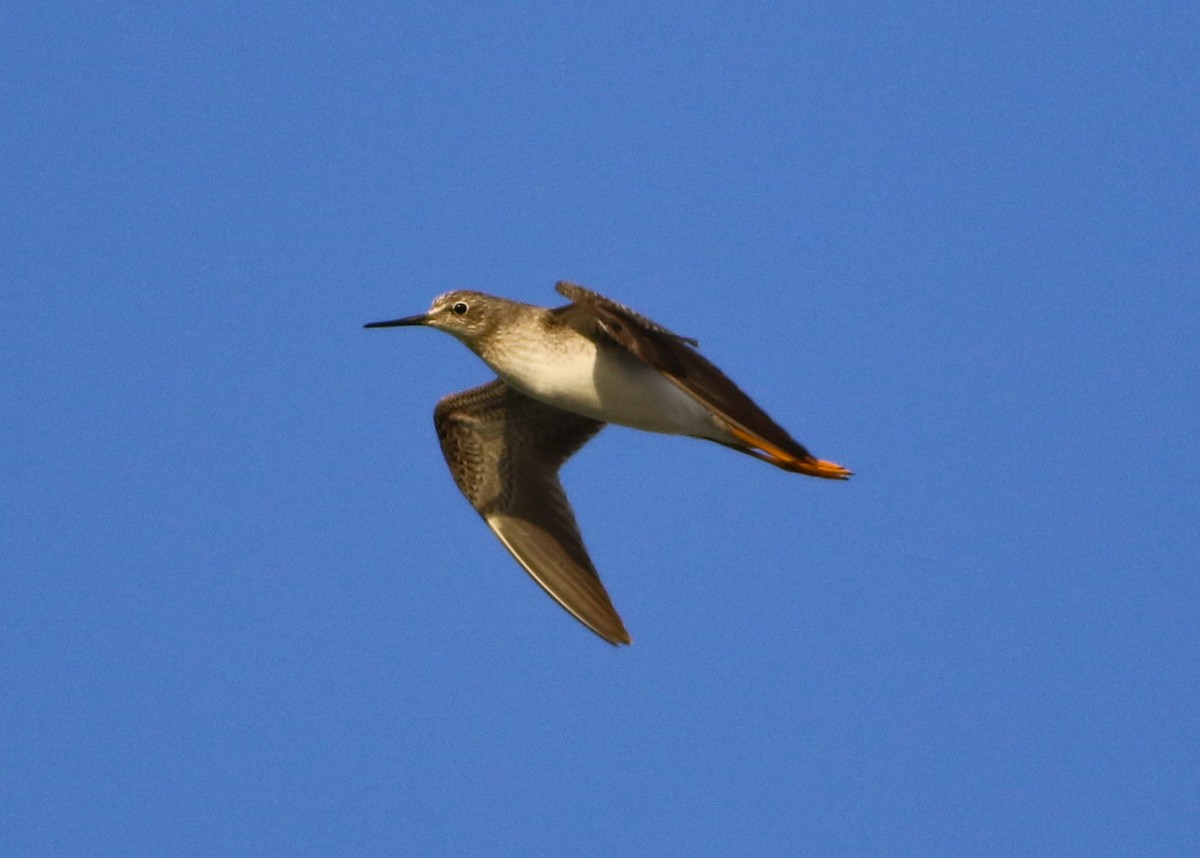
(467, 315)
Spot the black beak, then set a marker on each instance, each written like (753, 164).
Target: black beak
(397, 323)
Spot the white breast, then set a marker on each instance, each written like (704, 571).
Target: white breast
(605, 384)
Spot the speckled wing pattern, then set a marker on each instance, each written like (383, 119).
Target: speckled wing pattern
(504, 451)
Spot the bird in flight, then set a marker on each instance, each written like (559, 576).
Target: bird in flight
(563, 373)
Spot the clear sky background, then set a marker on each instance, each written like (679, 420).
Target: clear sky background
(954, 247)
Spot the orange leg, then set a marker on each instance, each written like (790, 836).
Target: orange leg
(811, 465)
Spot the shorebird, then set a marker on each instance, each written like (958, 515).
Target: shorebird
(563, 373)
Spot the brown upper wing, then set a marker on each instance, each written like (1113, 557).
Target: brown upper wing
(676, 358)
(504, 451)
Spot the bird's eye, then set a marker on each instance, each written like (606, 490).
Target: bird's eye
(459, 308)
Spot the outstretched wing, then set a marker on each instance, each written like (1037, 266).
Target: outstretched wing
(504, 451)
(677, 359)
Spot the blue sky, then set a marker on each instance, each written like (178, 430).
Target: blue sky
(245, 611)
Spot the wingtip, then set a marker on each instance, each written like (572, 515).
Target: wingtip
(610, 629)
(622, 639)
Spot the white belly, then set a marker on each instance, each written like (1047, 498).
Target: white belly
(609, 385)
